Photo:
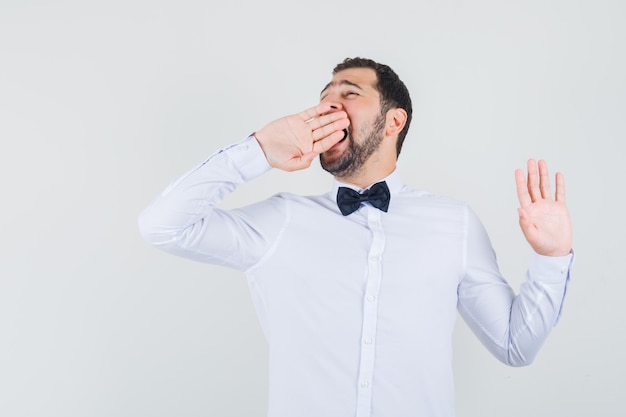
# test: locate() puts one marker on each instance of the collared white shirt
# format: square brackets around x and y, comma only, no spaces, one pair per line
[358,310]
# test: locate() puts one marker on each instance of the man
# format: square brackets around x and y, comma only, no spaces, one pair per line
[357,290]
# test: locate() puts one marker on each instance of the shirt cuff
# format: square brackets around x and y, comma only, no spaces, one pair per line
[550,269]
[248,157]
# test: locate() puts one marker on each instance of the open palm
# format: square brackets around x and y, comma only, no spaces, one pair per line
[545,221]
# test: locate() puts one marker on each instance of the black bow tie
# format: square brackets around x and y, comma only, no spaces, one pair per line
[349,200]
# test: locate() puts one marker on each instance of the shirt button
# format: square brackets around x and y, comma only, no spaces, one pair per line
[368,341]
[370,298]
[365,384]
[373,258]
[563,270]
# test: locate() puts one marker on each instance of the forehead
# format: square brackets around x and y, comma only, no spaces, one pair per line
[364,78]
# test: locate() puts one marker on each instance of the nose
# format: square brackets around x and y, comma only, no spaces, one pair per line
[334,105]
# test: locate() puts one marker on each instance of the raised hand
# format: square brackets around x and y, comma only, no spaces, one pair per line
[292,142]
[545,222]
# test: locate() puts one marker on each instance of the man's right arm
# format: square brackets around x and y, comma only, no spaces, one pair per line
[185,219]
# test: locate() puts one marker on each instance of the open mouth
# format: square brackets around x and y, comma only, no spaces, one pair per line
[346,133]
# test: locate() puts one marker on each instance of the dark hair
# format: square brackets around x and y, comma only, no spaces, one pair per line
[393,92]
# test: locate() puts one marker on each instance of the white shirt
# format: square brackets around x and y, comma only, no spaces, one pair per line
[358,310]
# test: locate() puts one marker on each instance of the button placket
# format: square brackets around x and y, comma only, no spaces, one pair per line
[370,311]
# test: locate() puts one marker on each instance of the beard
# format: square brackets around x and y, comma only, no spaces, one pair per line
[353,158]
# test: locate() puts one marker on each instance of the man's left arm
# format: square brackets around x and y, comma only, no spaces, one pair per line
[514,327]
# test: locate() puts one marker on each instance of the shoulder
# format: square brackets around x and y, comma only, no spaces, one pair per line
[422,205]
[322,202]
[421,197]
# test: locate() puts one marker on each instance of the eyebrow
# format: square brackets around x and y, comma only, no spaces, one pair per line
[342,82]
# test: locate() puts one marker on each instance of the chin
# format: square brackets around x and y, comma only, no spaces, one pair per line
[337,163]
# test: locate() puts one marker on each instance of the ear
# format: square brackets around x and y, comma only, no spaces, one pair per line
[395,121]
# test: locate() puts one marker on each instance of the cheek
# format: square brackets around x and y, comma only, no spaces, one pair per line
[360,113]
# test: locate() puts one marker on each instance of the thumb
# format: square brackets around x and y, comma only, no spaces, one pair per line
[307,158]
[301,162]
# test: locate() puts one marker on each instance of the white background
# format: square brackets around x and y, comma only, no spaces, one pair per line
[102,104]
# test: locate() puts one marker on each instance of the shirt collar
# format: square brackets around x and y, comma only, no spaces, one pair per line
[394,182]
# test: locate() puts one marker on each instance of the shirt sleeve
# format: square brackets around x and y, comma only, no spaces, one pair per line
[512,327]
[184,219]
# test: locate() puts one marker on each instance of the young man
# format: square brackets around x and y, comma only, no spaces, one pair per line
[357,290]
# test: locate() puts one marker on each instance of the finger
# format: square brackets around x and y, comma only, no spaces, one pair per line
[327,119]
[544,180]
[533,180]
[313,112]
[327,142]
[522,189]
[327,130]
[560,188]
[309,114]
